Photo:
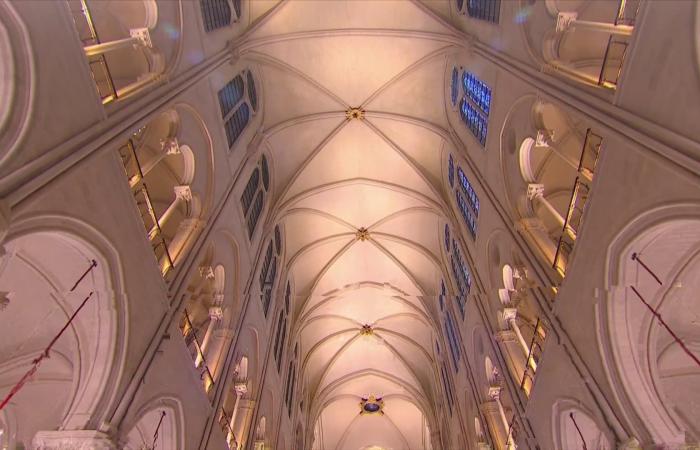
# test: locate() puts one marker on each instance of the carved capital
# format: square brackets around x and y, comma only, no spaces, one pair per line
[170,146]
[535,190]
[206,272]
[183,193]
[544,138]
[509,314]
[564,20]
[143,35]
[216,313]
[72,440]
[495,392]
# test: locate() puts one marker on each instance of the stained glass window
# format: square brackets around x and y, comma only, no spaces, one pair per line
[487,10]
[448,388]
[474,120]
[253,198]
[215,14]
[463,277]
[467,214]
[454,86]
[267,276]
[477,91]
[452,340]
[468,191]
[447,238]
[279,339]
[236,124]
[250,189]
[451,171]
[230,95]
[252,92]
[237,8]
[255,212]
[475,106]
[235,110]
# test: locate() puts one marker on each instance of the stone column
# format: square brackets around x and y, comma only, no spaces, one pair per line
[138,37]
[535,193]
[246,408]
[495,394]
[509,315]
[168,146]
[215,315]
[240,388]
[569,20]
[545,139]
[182,194]
[533,229]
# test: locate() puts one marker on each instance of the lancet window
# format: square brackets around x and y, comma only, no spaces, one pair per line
[447,387]
[215,14]
[237,100]
[254,194]
[454,86]
[488,10]
[281,333]
[291,380]
[475,106]
[268,275]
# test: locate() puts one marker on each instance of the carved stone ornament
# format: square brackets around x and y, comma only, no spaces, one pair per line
[355,113]
[206,272]
[72,440]
[362,234]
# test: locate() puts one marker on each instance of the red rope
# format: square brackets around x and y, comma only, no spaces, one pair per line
[155,435]
[44,354]
[665,325]
[583,441]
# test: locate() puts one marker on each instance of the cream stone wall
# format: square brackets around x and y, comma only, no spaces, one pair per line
[124,370]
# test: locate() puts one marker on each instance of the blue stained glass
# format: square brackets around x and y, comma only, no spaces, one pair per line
[372,407]
[451,171]
[447,238]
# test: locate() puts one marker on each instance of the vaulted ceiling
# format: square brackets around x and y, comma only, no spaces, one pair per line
[335,175]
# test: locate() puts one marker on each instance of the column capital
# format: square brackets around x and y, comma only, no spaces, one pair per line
[206,272]
[509,314]
[544,137]
[170,146]
[240,387]
[535,190]
[143,35]
[564,20]
[495,392]
[183,193]
[72,440]
[216,313]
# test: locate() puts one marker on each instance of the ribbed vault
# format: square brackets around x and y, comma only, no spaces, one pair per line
[335,177]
